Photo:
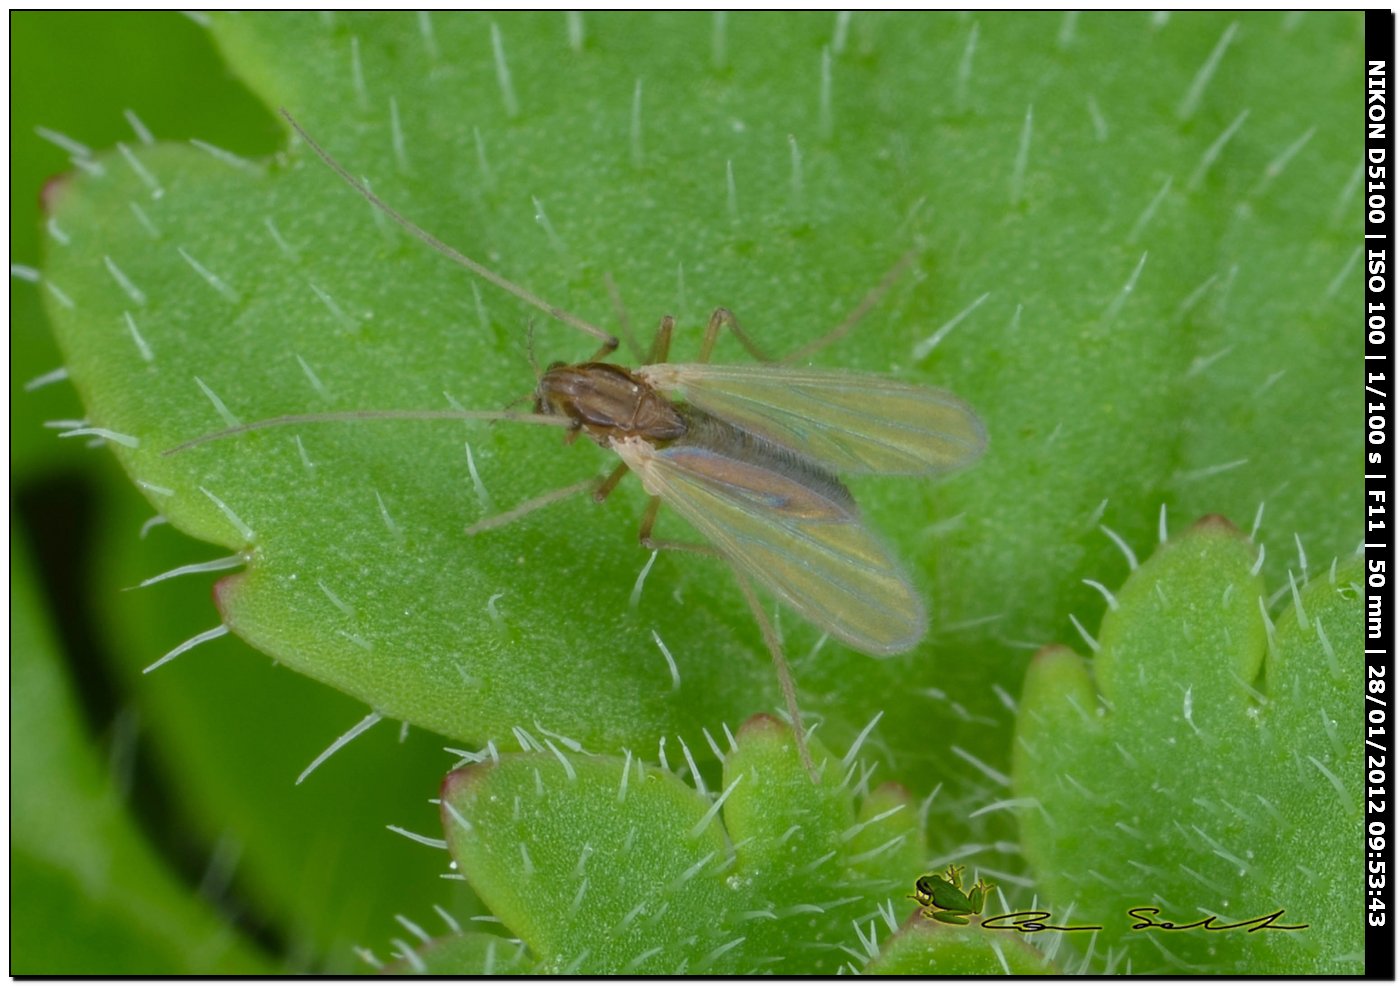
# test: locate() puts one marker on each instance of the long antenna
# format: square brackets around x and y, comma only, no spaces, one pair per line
[529,297]
[320,416]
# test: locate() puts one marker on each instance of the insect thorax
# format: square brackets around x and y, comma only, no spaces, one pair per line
[608,402]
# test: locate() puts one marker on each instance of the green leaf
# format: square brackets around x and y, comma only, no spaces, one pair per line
[470,953]
[231,733]
[1207,766]
[604,865]
[86,75]
[926,948]
[1044,164]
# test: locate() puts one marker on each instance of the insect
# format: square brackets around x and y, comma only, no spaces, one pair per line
[749,455]
[942,897]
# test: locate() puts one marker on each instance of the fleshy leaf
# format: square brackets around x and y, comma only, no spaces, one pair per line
[923,947]
[468,954]
[604,865]
[1206,763]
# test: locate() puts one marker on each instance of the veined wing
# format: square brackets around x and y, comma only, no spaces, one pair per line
[850,422]
[810,550]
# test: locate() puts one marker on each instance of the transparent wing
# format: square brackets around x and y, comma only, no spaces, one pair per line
[850,422]
[812,551]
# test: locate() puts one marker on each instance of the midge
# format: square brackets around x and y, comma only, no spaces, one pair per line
[749,455]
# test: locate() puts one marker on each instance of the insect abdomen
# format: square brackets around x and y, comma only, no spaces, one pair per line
[703,431]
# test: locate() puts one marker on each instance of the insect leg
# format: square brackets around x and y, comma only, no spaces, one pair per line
[721,318]
[649,520]
[858,312]
[660,544]
[784,675]
[608,485]
[661,342]
[530,506]
[770,638]
[608,347]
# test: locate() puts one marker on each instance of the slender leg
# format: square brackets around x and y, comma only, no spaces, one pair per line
[604,351]
[721,318]
[784,675]
[608,485]
[648,520]
[530,506]
[765,626]
[859,312]
[660,544]
[661,342]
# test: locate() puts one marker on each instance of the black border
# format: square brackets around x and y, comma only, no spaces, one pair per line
[1377,319]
